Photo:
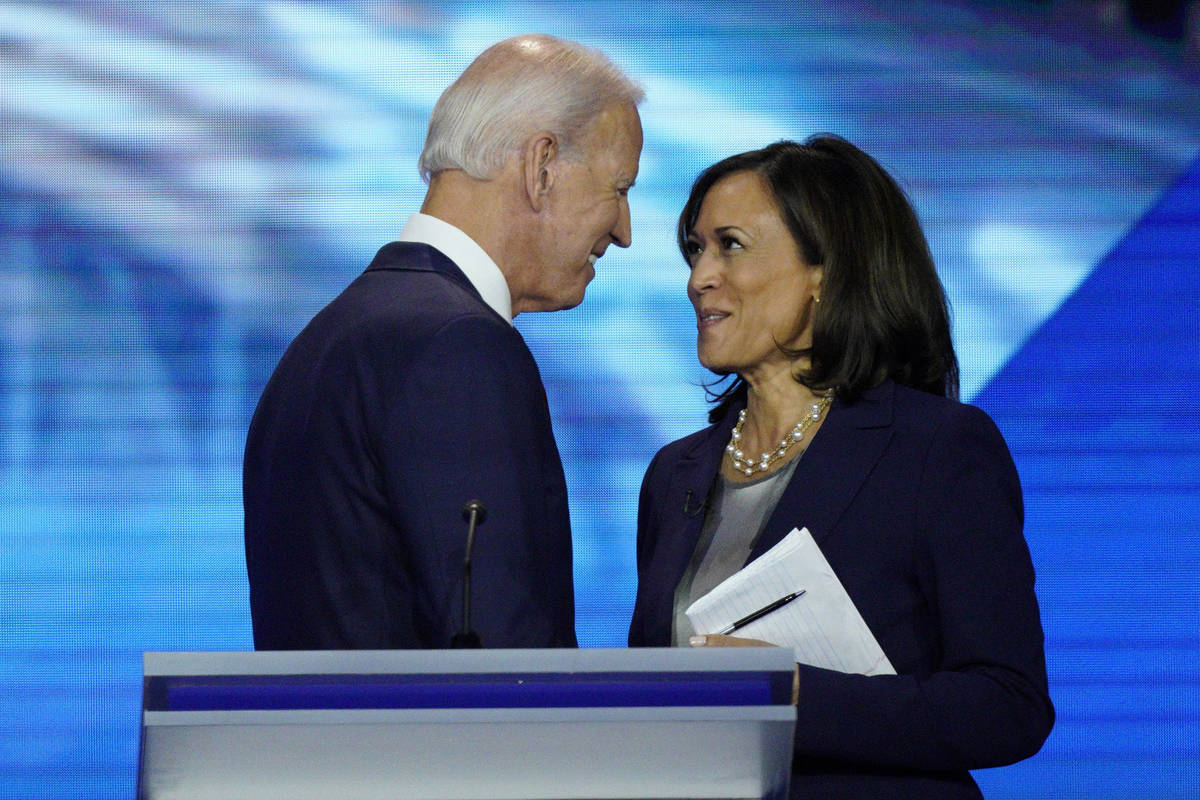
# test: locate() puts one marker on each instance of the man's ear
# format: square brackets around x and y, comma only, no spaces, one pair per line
[541,157]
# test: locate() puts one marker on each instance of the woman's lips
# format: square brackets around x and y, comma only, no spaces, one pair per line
[709,317]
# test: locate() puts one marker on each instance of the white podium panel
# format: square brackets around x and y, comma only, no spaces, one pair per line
[443,725]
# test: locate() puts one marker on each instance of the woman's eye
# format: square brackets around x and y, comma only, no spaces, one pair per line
[693,248]
[730,243]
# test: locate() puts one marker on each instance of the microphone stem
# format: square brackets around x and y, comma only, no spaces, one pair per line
[474,513]
[466,625]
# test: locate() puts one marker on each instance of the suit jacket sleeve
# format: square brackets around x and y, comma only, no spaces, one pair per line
[981,699]
[471,422]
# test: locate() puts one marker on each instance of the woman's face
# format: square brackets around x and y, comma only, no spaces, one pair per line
[749,285]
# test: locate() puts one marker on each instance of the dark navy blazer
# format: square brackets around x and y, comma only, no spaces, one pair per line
[916,504]
[403,399]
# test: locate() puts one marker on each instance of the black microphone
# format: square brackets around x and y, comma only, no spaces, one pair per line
[474,514]
[694,511]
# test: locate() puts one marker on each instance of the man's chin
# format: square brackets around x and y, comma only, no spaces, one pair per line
[561,303]
[557,297]
[570,303]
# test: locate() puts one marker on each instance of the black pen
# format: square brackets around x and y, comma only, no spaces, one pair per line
[762,612]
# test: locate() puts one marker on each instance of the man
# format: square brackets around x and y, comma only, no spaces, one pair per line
[411,393]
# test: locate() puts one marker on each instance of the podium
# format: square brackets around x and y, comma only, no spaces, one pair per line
[467,724]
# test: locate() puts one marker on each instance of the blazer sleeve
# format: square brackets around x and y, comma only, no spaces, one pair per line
[983,701]
[472,422]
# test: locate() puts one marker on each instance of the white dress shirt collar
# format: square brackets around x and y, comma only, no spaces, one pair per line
[467,255]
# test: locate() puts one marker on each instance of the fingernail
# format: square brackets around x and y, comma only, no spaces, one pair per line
[698,641]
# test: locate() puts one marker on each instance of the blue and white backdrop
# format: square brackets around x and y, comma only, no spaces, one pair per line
[182,185]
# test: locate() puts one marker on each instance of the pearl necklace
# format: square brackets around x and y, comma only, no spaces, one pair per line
[750,466]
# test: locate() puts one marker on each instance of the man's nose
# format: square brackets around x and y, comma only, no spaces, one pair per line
[622,232]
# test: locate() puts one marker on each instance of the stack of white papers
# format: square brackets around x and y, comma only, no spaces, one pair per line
[822,625]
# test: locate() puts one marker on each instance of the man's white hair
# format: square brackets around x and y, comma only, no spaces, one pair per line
[513,89]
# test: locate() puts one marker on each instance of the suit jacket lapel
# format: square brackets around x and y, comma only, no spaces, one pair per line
[830,473]
[688,495]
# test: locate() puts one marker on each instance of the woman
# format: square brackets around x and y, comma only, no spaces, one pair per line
[814,287]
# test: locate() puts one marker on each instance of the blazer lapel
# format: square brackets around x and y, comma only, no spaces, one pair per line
[688,495]
[835,465]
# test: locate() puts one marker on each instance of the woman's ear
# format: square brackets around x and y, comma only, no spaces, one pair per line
[541,157]
[815,274]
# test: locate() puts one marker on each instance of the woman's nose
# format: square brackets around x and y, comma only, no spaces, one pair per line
[705,273]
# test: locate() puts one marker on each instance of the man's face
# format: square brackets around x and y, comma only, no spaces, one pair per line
[587,210]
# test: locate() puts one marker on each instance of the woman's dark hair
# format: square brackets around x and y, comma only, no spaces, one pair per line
[883,311]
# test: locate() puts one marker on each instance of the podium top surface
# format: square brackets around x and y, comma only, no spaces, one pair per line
[462,662]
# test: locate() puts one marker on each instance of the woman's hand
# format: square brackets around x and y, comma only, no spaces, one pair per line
[717,640]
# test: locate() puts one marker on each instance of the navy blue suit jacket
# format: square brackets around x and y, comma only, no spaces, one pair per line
[403,399]
[916,504]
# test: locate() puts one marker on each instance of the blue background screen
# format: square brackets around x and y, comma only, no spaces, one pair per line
[183,185]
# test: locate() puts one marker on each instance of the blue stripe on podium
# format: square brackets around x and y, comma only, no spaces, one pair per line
[539,690]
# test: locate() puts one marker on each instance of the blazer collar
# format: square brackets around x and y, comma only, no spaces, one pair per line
[419,257]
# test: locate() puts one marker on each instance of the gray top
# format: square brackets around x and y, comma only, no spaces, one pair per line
[737,513]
